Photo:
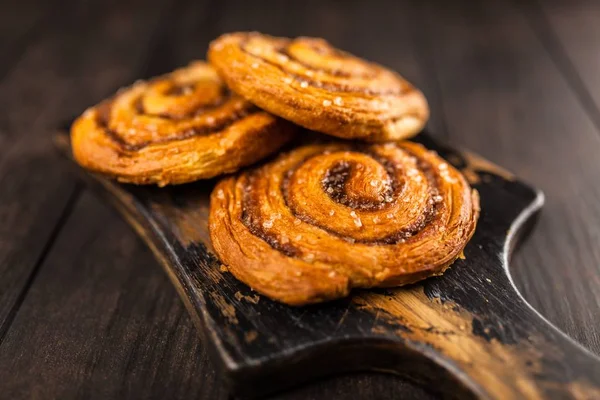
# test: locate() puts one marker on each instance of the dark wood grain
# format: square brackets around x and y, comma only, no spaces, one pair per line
[37,94]
[100,322]
[22,23]
[570,32]
[57,66]
[506,99]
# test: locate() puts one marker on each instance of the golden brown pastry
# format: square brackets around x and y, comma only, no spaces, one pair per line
[176,128]
[307,81]
[325,218]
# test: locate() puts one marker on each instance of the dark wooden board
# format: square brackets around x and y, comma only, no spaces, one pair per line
[468,332]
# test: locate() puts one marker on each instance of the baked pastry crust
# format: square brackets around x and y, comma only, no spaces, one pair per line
[176,128]
[309,82]
[325,218]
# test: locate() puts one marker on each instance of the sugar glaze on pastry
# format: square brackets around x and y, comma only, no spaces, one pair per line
[325,218]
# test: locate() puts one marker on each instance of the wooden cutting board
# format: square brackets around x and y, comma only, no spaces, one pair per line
[466,334]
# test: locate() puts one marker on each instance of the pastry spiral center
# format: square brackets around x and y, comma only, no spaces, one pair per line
[359,182]
[181,99]
[381,196]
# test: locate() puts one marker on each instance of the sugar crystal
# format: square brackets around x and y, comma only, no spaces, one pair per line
[309,257]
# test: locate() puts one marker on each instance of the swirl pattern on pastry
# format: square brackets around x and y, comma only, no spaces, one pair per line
[176,128]
[325,218]
[312,84]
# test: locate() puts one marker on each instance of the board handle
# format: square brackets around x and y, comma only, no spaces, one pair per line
[474,335]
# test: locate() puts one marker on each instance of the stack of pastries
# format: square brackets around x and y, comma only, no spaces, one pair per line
[354,206]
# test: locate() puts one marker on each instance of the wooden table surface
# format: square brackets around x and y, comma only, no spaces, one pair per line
[85,310]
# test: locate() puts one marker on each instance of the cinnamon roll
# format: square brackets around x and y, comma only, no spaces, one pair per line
[325,218]
[176,128]
[313,84]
